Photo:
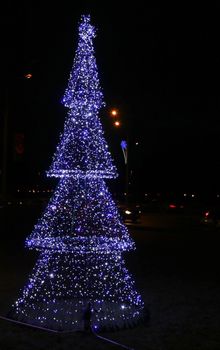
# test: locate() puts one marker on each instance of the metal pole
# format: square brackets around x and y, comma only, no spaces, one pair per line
[124,146]
[127,173]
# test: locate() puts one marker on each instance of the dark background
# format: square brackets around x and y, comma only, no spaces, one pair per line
[159,65]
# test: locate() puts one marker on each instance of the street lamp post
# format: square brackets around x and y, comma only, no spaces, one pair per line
[124,147]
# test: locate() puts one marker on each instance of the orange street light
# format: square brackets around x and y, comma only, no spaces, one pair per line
[117,123]
[114,112]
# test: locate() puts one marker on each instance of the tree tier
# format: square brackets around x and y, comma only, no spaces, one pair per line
[80,174]
[81,216]
[93,244]
[61,287]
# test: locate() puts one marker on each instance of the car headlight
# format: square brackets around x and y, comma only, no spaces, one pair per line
[128,212]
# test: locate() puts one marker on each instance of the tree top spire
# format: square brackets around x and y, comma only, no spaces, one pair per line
[86,30]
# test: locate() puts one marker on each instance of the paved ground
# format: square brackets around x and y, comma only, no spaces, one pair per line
[176,267]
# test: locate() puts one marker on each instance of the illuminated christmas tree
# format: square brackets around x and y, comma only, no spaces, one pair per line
[80,235]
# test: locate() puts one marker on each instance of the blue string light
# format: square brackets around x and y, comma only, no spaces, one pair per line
[80,235]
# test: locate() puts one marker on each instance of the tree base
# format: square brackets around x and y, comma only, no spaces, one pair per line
[69,316]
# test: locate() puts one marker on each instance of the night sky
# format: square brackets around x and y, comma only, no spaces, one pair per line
[158,65]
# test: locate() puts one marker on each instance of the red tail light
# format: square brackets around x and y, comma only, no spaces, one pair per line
[206,214]
[172,206]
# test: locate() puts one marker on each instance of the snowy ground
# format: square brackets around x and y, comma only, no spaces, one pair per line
[176,267]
